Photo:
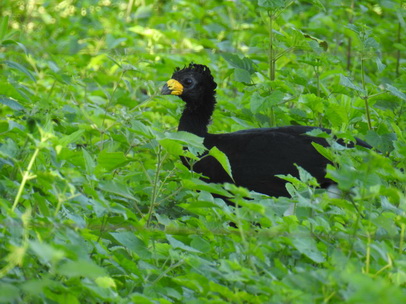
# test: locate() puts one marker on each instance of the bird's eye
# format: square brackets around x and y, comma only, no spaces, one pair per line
[188,81]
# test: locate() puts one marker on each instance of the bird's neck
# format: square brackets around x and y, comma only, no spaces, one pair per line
[196,116]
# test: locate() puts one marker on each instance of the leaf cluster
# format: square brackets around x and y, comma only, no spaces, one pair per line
[95,205]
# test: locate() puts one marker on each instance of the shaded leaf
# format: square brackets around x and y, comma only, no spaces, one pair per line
[13,104]
[222,158]
[345,81]
[81,268]
[132,243]
[308,246]
[20,68]
[178,244]
[395,92]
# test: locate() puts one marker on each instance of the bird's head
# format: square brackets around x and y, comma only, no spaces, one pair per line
[192,83]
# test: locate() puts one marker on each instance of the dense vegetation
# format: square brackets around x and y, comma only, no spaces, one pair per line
[95,206]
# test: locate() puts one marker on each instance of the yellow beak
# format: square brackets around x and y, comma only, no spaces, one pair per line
[172,87]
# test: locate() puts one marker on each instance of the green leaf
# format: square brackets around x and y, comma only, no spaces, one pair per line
[193,142]
[242,76]
[259,103]
[20,68]
[118,188]
[345,81]
[89,162]
[4,126]
[8,293]
[272,4]
[109,161]
[395,92]
[382,142]
[222,158]
[306,177]
[3,27]
[13,104]
[326,152]
[238,63]
[46,253]
[105,282]
[142,129]
[178,244]
[71,138]
[308,246]
[81,268]
[379,64]
[233,59]
[197,184]
[173,147]
[36,286]
[19,44]
[132,243]
[321,43]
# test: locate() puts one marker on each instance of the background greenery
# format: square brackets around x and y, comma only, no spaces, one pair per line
[95,206]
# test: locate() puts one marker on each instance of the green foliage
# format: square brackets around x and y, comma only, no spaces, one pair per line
[95,205]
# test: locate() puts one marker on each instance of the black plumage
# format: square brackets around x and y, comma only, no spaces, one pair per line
[255,155]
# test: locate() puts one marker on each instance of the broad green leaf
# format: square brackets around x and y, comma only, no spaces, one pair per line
[193,142]
[233,59]
[382,142]
[259,103]
[46,253]
[13,104]
[345,81]
[4,126]
[36,286]
[71,138]
[272,4]
[108,161]
[197,184]
[222,159]
[118,188]
[395,92]
[89,162]
[105,282]
[321,43]
[81,268]
[178,244]
[3,27]
[201,244]
[308,246]
[132,243]
[136,297]
[244,64]
[242,75]
[19,44]
[306,177]
[20,68]
[8,293]
[379,64]
[141,128]
[326,152]
[173,147]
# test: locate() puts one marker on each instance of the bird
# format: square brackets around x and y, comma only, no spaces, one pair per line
[256,156]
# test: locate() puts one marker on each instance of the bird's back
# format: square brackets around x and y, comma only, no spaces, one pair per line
[257,155]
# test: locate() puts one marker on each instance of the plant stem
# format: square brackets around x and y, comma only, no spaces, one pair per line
[317,71]
[349,46]
[271,53]
[402,236]
[368,254]
[26,177]
[155,189]
[365,97]
[398,51]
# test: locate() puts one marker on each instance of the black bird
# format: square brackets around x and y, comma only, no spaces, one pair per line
[255,155]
